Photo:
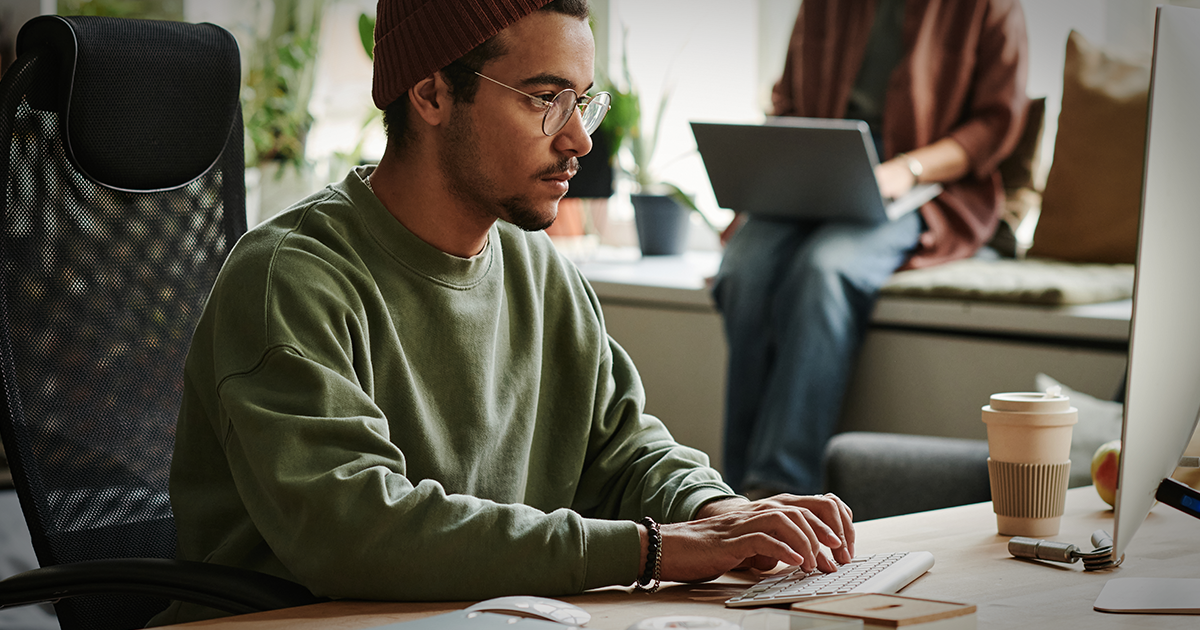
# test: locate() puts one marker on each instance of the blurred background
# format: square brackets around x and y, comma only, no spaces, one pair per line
[307,76]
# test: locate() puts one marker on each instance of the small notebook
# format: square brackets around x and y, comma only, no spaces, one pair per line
[800,168]
[887,612]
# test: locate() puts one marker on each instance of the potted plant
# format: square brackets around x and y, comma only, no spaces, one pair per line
[661,210]
[279,85]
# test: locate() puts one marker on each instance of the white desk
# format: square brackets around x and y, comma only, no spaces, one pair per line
[972,566]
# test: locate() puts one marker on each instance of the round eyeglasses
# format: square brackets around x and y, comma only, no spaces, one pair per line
[558,108]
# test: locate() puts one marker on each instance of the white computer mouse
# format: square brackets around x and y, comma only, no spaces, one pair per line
[535,607]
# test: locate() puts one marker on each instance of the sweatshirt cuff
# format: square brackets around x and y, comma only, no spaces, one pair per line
[612,550]
[700,496]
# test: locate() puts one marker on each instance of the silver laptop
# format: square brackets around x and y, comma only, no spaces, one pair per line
[800,168]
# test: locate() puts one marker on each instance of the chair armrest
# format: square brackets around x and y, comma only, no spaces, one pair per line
[229,589]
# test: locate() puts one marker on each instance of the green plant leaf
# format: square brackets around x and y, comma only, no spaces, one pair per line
[688,201]
[279,83]
[653,143]
[366,32]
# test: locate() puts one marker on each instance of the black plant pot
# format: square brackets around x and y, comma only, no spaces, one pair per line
[595,177]
[662,224]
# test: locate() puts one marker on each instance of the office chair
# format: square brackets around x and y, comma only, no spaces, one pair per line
[123,192]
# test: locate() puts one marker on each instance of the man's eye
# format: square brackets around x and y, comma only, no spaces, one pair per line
[541,101]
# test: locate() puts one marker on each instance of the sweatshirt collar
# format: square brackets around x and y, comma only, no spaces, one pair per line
[407,248]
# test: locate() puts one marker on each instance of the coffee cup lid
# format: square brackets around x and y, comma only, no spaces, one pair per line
[1043,402]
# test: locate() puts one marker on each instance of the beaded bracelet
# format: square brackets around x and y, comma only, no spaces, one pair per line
[653,572]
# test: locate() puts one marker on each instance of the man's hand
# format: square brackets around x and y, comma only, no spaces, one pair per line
[736,533]
[827,510]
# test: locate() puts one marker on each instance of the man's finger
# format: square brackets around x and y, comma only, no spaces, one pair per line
[845,520]
[825,562]
[847,525]
[810,533]
[763,544]
[789,529]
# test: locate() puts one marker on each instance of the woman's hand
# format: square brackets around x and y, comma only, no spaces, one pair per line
[732,228]
[894,177]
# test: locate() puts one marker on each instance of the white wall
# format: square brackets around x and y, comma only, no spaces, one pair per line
[16,12]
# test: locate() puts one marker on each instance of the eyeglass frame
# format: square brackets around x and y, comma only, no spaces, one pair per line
[581,101]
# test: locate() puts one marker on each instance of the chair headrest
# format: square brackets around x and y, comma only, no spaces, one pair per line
[144,104]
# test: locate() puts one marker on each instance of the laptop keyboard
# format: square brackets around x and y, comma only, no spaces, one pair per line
[879,573]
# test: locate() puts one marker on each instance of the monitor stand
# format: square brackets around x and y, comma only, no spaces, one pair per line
[1179,596]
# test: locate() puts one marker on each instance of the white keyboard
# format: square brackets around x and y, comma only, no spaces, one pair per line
[880,573]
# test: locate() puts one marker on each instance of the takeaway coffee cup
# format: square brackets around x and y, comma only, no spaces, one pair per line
[1029,460]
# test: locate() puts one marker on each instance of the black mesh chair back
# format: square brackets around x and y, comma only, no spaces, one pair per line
[123,192]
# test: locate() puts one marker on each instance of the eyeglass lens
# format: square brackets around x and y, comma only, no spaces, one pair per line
[563,105]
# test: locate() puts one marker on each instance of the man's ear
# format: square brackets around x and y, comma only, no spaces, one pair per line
[430,99]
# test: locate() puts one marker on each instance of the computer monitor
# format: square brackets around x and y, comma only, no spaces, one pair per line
[1162,396]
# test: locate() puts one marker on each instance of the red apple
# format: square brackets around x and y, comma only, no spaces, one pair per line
[1105,464]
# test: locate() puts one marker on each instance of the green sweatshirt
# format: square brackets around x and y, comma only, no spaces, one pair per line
[377,419]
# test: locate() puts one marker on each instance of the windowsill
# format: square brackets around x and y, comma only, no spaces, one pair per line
[623,274]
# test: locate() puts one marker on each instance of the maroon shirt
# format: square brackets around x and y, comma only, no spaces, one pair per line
[962,76]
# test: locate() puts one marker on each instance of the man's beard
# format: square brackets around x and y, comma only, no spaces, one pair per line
[459,161]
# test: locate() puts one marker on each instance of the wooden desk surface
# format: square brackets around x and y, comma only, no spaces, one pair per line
[972,566]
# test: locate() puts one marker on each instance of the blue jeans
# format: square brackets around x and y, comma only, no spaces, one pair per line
[795,298]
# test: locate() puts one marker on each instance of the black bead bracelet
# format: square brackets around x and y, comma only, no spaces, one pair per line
[653,571]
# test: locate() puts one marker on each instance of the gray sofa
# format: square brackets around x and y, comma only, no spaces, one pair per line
[885,474]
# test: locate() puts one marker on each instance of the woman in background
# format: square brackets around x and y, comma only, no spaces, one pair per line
[941,83]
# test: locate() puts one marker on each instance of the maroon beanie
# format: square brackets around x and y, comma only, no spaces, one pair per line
[415,38]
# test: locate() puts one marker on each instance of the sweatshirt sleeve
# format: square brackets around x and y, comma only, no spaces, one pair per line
[325,486]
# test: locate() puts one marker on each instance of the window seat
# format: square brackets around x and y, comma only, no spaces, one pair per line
[929,361]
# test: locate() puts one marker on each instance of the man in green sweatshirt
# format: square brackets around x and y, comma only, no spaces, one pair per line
[400,391]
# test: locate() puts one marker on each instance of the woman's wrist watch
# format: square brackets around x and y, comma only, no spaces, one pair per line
[914,166]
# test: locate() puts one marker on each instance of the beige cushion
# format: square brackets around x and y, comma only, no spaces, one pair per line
[1093,191]
[1031,281]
